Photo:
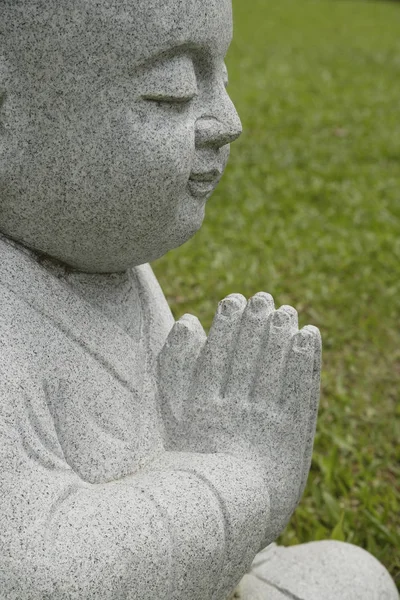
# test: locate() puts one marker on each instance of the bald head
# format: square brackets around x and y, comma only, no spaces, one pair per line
[39,30]
[102,101]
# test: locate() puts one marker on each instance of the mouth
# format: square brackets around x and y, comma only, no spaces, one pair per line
[203,184]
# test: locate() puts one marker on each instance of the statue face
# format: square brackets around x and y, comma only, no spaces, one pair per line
[115,127]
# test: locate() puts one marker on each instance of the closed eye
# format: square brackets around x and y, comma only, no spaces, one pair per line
[169,99]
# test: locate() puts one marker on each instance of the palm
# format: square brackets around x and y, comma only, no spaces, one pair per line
[251,388]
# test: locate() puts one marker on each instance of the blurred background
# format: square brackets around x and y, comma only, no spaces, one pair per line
[309,210]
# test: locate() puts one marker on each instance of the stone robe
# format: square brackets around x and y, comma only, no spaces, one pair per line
[91,505]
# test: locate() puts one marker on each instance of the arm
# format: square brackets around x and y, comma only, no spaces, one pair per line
[186,527]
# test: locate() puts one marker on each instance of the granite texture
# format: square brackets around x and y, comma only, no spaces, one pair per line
[139,458]
[251,389]
[98,95]
[325,570]
[92,505]
[96,502]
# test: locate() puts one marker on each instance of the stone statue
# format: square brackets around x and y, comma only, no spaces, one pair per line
[139,459]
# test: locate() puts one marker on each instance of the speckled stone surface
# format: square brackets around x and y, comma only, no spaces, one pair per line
[115,130]
[115,125]
[139,459]
[253,390]
[96,502]
[325,570]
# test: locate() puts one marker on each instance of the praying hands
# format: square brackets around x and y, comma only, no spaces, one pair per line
[251,389]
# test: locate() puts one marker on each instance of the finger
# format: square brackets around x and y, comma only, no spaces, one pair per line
[246,354]
[176,364]
[269,377]
[294,406]
[314,403]
[216,355]
[297,373]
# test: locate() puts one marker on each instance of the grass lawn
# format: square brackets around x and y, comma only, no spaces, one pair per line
[309,210]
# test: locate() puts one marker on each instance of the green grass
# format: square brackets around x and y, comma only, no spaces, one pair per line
[309,210]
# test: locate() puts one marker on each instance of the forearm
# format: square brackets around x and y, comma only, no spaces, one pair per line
[188,527]
[240,498]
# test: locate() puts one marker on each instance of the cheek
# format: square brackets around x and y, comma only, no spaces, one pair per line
[161,146]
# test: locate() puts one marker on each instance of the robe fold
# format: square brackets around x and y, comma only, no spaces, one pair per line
[91,505]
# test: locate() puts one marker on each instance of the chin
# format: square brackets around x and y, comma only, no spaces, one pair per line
[188,226]
[183,231]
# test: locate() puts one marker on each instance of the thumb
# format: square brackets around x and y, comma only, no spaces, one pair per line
[175,370]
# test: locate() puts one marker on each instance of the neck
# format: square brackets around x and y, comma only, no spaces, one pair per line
[116,295]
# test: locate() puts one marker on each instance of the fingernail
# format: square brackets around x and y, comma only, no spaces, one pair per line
[189,321]
[292,312]
[280,318]
[179,331]
[303,340]
[261,302]
[229,306]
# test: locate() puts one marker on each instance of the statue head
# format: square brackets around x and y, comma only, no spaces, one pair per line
[115,125]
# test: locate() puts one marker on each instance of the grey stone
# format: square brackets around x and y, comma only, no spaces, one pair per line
[98,95]
[255,369]
[91,504]
[330,570]
[139,458]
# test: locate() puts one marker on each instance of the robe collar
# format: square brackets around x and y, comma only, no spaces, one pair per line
[55,300]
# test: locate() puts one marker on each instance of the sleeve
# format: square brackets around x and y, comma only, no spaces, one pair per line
[186,528]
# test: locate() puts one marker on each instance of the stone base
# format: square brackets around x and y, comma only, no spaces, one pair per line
[327,570]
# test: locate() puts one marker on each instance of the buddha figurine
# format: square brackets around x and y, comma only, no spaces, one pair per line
[140,459]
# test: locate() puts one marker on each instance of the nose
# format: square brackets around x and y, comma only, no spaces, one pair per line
[220,125]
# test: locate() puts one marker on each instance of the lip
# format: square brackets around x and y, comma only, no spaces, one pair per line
[204,183]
